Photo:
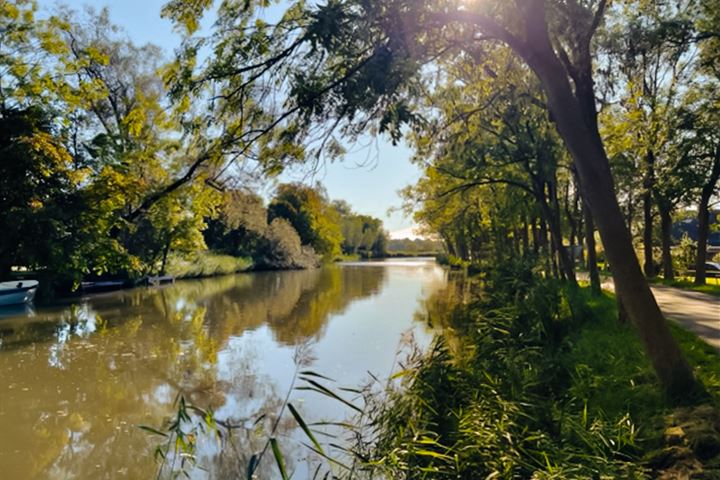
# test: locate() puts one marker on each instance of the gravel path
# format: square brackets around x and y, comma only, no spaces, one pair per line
[697,312]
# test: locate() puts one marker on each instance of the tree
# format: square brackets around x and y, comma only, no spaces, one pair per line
[652,67]
[81,92]
[509,141]
[37,185]
[124,132]
[311,214]
[361,233]
[241,228]
[701,147]
[349,64]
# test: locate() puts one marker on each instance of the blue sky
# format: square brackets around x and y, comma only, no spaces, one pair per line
[369,186]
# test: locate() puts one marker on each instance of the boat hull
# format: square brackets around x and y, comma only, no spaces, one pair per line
[102,286]
[17,296]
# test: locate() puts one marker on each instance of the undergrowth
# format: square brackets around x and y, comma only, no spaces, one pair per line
[536,380]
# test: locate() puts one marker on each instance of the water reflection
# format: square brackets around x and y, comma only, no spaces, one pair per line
[79,378]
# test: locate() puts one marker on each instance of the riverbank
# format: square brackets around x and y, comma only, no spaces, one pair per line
[535,380]
[207,264]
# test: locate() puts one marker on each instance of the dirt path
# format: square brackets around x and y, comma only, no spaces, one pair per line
[697,312]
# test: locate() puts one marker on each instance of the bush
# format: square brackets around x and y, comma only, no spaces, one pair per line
[451,261]
[283,250]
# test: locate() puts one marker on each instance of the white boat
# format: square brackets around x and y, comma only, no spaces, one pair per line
[18,292]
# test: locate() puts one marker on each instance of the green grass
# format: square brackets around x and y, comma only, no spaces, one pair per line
[712,287]
[614,375]
[348,258]
[206,264]
[704,359]
[537,380]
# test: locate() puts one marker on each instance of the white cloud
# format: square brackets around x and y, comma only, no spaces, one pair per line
[405,233]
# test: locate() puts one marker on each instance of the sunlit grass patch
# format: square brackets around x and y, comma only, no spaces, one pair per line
[206,264]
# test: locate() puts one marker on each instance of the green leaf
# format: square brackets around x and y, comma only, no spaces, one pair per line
[328,458]
[430,453]
[314,374]
[279,459]
[316,387]
[152,430]
[304,426]
[252,465]
[401,373]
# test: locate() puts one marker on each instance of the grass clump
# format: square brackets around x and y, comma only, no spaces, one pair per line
[535,380]
[206,264]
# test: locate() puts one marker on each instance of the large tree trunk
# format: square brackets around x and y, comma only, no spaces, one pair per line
[666,229]
[648,183]
[704,221]
[622,313]
[576,121]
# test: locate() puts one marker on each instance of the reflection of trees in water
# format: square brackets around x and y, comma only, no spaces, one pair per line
[445,311]
[295,304]
[149,305]
[438,308]
[259,414]
[78,380]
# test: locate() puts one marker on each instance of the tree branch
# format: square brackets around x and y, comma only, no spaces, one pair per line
[488,25]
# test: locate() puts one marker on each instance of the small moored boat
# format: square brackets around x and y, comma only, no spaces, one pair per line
[159,280]
[102,286]
[17,292]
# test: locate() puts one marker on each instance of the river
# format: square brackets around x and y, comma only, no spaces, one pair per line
[78,379]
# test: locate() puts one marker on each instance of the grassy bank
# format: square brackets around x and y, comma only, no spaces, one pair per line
[538,381]
[206,264]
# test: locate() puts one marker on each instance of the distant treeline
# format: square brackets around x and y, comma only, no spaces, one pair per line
[299,228]
[414,247]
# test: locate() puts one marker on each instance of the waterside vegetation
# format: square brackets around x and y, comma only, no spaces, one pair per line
[539,127]
[103,177]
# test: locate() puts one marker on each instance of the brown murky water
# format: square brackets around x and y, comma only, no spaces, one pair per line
[78,379]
